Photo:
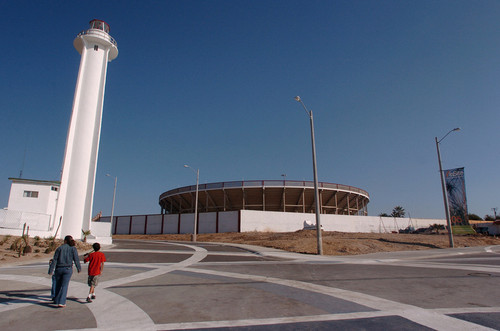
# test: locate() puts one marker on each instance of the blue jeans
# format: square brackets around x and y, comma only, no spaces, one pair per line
[63,276]
[53,289]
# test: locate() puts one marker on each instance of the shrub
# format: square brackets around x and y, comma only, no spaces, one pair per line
[27,249]
[5,239]
[474,217]
[17,245]
[52,245]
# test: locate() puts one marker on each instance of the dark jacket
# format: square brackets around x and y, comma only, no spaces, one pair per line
[64,256]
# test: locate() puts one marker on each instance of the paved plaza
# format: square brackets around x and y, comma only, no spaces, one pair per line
[159,285]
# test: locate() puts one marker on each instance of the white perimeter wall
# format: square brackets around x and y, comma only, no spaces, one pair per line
[260,221]
[13,219]
[285,222]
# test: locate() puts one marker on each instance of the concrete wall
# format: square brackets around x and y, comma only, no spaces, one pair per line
[13,219]
[171,223]
[32,233]
[100,229]
[12,223]
[261,221]
[252,220]
[100,232]
[229,221]
[208,223]
[187,223]
[217,222]
[214,222]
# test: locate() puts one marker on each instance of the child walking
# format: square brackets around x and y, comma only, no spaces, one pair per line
[96,261]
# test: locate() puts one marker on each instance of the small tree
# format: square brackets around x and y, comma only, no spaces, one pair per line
[85,234]
[383,215]
[437,227]
[398,211]
[474,217]
[489,218]
[21,245]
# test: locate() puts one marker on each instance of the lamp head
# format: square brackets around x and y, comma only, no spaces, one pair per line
[108,175]
[456,129]
[297,98]
[186,166]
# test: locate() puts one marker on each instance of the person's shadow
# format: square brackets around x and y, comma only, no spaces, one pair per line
[34,296]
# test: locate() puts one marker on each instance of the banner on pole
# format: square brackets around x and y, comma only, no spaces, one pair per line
[457,201]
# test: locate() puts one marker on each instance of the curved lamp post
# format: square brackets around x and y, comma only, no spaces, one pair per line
[315,172]
[443,187]
[197,172]
[114,195]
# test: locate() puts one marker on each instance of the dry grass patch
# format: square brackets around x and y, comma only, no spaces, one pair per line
[40,248]
[334,243]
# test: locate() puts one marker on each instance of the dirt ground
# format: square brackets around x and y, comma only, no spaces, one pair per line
[304,241]
[334,243]
[40,248]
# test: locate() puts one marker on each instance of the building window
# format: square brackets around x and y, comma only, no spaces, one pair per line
[30,194]
[96,48]
[54,188]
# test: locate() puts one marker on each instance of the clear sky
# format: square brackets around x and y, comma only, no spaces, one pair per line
[211,84]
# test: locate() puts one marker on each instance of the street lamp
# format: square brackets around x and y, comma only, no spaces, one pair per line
[114,195]
[197,172]
[443,187]
[315,171]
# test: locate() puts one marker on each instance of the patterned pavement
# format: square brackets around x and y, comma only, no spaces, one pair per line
[158,285]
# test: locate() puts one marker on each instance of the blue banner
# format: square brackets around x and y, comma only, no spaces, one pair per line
[457,201]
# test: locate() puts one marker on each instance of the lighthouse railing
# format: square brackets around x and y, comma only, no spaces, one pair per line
[98,33]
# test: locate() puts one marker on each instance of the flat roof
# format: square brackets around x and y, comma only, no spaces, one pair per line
[35,181]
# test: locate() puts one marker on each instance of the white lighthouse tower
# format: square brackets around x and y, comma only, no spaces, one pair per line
[74,206]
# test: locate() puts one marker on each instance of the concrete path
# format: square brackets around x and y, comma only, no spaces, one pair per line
[157,285]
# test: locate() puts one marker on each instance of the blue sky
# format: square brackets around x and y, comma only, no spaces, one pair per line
[211,84]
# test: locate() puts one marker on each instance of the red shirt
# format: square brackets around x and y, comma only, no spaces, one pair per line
[95,259]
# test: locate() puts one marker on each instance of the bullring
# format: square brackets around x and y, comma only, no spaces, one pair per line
[266,195]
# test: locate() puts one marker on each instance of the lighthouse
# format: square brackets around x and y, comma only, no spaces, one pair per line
[76,195]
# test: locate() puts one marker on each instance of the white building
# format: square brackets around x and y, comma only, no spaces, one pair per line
[32,202]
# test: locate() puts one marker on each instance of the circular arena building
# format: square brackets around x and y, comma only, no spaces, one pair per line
[266,195]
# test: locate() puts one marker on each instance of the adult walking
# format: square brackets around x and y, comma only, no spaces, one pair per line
[64,257]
